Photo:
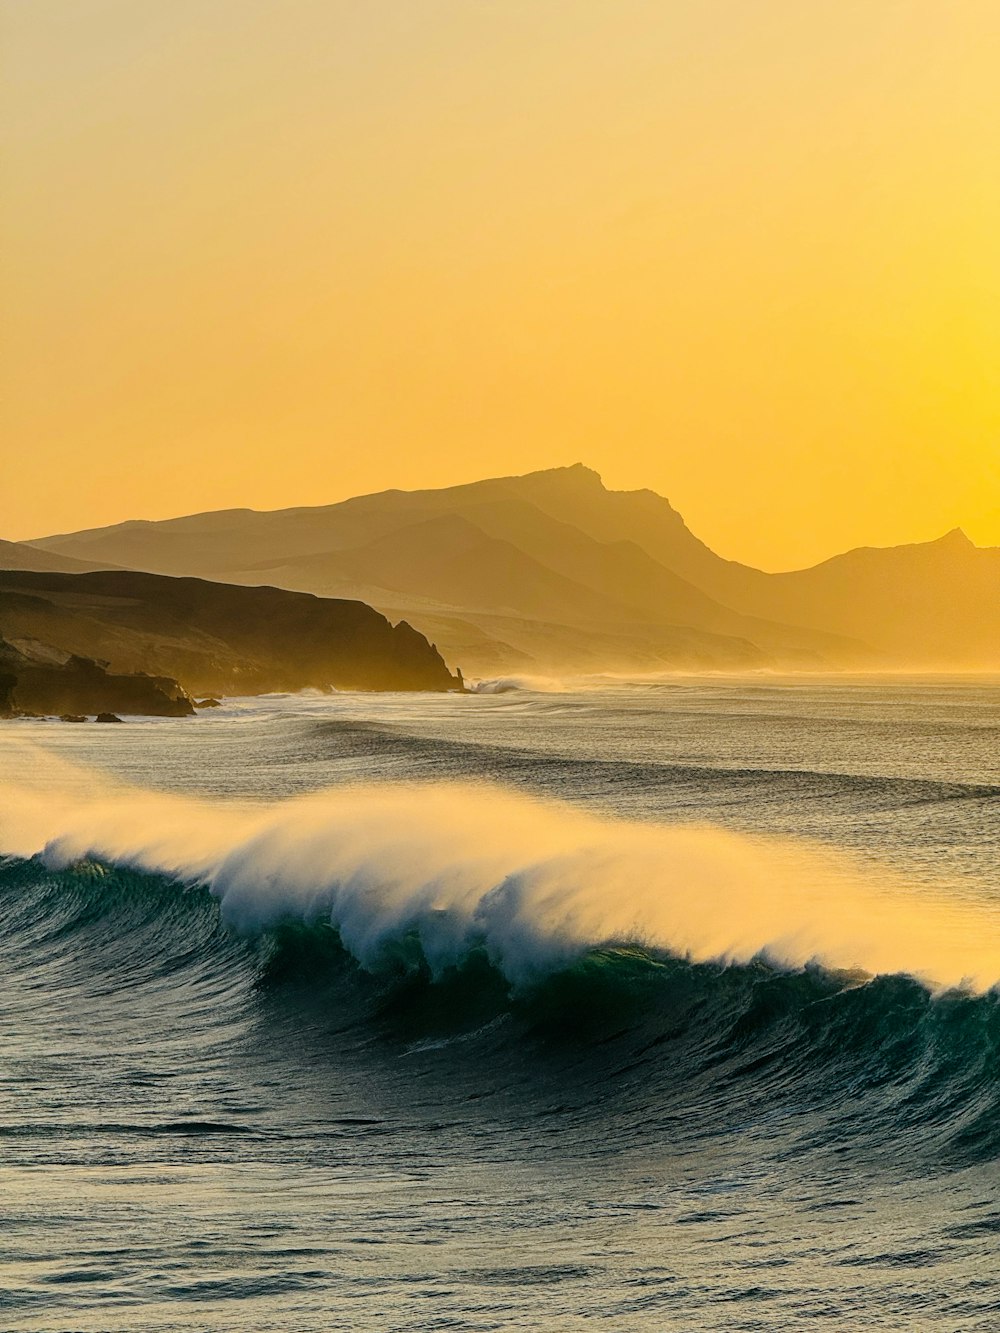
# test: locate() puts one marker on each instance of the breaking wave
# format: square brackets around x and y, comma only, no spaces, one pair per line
[669,965]
[454,868]
[515,684]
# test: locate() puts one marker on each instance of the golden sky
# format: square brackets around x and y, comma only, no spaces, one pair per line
[276,252]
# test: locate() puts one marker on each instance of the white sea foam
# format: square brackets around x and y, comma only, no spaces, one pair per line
[532,684]
[535,883]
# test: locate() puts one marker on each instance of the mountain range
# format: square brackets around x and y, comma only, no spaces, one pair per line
[553,571]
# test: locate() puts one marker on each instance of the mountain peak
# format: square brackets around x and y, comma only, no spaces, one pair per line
[957,539]
[574,473]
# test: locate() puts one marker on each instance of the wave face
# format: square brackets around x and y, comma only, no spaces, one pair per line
[707,950]
[379,1049]
[408,949]
[449,870]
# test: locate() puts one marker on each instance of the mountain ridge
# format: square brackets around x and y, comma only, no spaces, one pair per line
[533,562]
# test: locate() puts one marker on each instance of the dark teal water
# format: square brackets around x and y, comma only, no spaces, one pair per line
[442,1058]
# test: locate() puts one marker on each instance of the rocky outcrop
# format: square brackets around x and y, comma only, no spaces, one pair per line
[34,681]
[7,682]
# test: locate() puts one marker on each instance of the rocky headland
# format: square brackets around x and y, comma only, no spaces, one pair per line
[134,643]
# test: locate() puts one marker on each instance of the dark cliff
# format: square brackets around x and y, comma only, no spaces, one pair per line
[215,638]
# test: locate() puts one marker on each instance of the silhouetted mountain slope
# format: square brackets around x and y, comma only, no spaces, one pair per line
[450,561]
[21,555]
[932,603]
[554,570]
[442,558]
[215,638]
[502,558]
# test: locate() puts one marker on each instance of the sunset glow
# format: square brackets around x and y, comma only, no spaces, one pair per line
[744,254]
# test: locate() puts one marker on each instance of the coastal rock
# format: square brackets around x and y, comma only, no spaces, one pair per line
[107,717]
[37,679]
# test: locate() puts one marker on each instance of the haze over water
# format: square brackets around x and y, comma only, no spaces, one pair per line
[543,1007]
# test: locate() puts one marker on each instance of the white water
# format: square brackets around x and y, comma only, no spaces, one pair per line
[536,883]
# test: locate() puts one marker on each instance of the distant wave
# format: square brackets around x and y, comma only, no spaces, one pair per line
[512,684]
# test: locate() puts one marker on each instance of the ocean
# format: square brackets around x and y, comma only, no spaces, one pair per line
[624,1005]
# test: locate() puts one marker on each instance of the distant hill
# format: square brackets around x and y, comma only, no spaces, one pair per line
[21,555]
[553,571]
[211,637]
[931,604]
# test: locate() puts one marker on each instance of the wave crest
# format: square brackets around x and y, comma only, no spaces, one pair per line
[533,884]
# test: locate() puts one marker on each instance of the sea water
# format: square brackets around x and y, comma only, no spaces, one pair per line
[559,1005]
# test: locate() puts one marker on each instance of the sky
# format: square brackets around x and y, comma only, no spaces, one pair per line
[277,252]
